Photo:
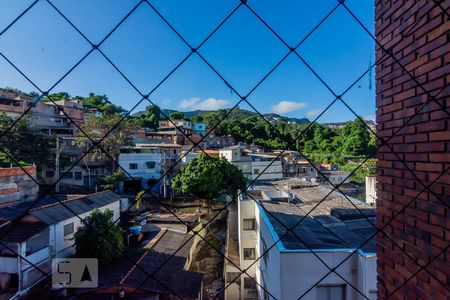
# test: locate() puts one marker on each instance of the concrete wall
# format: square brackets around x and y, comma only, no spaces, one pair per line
[16,185]
[231,155]
[269,275]
[301,271]
[247,239]
[267,170]
[371,189]
[141,159]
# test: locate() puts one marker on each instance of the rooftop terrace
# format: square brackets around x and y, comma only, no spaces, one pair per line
[334,223]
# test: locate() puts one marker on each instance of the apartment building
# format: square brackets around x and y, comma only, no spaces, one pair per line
[292,262]
[254,165]
[144,163]
[45,232]
[55,118]
[296,166]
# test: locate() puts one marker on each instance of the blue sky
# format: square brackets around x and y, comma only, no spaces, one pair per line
[243,51]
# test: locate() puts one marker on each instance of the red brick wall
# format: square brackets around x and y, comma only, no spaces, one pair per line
[7,172]
[422,230]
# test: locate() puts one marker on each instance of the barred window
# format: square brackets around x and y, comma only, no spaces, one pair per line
[249,253]
[78,176]
[231,276]
[249,283]
[249,224]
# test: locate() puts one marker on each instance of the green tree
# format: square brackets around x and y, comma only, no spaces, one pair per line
[111,182]
[24,143]
[57,96]
[150,117]
[103,104]
[206,177]
[99,237]
[197,119]
[176,115]
[98,127]
[356,138]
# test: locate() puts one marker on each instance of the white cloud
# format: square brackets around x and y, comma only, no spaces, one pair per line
[313,113]
[196,103]
[283,107]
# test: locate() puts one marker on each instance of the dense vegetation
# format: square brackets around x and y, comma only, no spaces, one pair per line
[23,145]
[111,131]
[206,177]
[100,237]
[100,102]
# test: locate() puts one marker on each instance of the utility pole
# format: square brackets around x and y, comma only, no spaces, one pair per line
[165,175]
[58,152]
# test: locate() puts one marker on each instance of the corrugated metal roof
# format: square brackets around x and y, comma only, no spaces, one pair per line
[56,212]
[20,232]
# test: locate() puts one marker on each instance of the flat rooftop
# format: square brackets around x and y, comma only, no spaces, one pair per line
[327,220]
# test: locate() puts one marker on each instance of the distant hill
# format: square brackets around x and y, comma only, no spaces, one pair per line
[270,116]
[236,113]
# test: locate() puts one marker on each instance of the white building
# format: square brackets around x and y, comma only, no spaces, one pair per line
[143,162]
[44,233]
[187,156]
[255,166]
[292,262]
[336,177]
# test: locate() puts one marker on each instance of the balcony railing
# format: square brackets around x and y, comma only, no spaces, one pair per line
[38,256]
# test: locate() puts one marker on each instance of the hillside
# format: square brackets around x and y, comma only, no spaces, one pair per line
[236,113]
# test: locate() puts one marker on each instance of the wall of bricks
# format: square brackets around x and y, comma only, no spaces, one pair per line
[416,33]
[16,185]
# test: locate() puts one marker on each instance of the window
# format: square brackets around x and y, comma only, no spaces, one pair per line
[249,253]
[232,276]
[256,171]
[132,166]
[66,175]
[49,174]
[150,164]
[68,229]
[373,295]
[78,176]
[249,283]
[249,224]
[331,292]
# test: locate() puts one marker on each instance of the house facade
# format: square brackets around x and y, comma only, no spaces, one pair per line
[255,166]
[46,232]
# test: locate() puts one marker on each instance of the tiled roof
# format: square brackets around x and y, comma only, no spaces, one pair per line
[168,248]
